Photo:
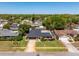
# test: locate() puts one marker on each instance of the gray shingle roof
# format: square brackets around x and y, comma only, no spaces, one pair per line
[45,34]
[37,33]
[14,26]
[34,33]
[6,32]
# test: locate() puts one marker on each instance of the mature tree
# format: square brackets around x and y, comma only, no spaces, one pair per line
[76,38]
[24,28]
[6,26]
[54,22]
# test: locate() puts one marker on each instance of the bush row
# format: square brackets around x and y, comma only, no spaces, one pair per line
[17,38]
[42,39]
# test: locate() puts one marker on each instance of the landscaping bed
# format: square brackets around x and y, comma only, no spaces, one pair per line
[50,46]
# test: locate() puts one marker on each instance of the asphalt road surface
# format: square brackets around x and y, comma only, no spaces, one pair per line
[38,54]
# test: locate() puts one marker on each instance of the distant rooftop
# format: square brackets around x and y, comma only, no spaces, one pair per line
[14,26]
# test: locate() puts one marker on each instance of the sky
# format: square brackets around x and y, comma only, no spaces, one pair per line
[39,7]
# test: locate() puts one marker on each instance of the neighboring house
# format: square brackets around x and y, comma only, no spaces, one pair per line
[26,21]
[76,28]
[2,23]
[59,33]
[8,33]
[71,26]
[41,27]
[36,23]
[1,26]
[14,26]
[38,33]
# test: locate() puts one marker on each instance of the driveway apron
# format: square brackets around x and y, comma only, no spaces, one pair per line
[30,46]
[70,47]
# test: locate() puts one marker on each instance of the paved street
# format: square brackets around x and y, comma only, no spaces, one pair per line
[40,54]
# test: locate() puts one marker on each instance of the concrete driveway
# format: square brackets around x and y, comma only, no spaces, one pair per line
[30,46]
[65,41]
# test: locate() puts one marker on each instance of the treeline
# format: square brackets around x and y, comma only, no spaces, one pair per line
[36,16]
[60,22]
[51,21]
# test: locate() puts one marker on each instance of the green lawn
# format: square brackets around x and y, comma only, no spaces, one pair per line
[23,42]
[50,46]
[55,43]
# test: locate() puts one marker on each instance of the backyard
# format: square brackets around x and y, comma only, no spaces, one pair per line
[50,46]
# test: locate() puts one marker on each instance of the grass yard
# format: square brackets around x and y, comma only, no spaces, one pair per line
[6,44]
[13,45]
[55,43]
[50,46]
[23,42]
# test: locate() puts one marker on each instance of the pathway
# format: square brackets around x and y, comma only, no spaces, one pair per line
[30,46]
[70,47]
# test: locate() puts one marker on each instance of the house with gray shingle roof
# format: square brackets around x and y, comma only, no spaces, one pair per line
[14,26]
[2,23]
[39,33]
[7,33]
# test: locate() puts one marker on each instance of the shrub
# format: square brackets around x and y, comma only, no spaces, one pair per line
[42,39]
[17,38]
[51,39]
[70,41]
[6,26]
[76,38]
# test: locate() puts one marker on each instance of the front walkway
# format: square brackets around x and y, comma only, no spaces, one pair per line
[70,47]
[30,46]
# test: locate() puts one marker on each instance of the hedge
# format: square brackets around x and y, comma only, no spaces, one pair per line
[17,38]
